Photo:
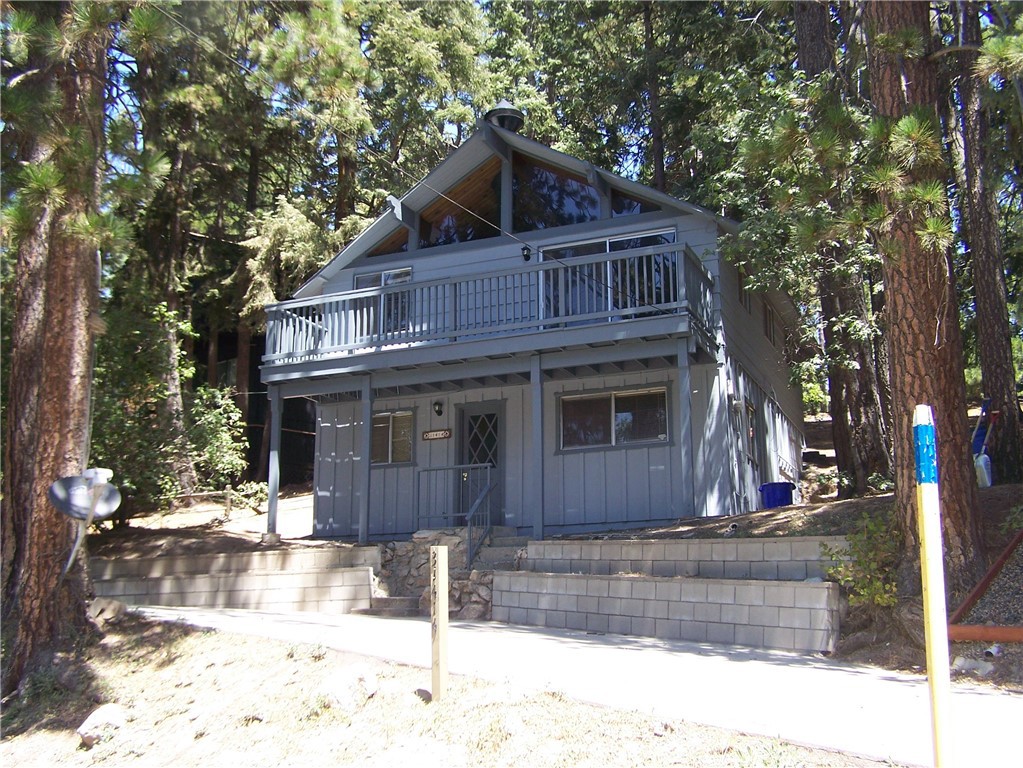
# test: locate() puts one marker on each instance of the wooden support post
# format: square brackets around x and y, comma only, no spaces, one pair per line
[363,473]
[684,404]
[928,503]
[439,620]
[274,465]
[536,444]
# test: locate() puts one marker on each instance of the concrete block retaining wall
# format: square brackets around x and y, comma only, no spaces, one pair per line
[791,615]
[787,559]
[331,580]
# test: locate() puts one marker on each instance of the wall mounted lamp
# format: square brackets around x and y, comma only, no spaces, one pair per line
[527,253]
[438,408]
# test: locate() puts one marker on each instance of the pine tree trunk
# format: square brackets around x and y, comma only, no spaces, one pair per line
[923,325]
[654,91]
[858,429]
[56,289]
[994,346]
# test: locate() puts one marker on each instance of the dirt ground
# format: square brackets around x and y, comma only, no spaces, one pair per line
[195,699]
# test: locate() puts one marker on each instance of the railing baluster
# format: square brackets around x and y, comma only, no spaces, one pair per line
[584,289]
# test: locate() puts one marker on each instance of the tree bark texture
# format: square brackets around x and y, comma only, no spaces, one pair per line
[164,238]
[858,430]
[994,335]
[925,347]
[56,288]
[654,92]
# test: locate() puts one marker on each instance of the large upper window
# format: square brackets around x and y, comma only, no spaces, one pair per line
[391,440]
[614,418]
[623,205]
[547,197]
[470,211]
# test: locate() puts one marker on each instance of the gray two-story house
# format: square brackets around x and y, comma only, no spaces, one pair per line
[530,341]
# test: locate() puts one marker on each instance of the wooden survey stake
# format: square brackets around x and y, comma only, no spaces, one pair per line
[439,619]
[928,515]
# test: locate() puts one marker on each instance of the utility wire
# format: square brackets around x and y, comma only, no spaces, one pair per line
[316,118]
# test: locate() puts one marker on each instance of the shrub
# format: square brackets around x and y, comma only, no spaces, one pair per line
[216,437]
[866,567]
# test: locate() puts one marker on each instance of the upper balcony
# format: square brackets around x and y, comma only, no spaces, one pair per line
[654,290]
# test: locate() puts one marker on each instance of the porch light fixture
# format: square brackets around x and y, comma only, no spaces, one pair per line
[438,408]
[527,253]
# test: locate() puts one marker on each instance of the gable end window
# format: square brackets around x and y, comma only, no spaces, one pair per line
[391,438]
[614,419]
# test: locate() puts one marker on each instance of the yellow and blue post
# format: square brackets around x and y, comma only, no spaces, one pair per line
[928,503]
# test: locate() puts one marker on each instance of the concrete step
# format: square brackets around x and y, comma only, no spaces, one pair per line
[500,531]
[391,606]
[508,541]
[498,558]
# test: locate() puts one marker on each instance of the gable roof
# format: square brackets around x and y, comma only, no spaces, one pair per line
[486,143]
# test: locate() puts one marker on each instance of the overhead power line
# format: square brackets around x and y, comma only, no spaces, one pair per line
[393,163]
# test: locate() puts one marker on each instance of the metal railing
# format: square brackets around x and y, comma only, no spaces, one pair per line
[457,496]
[599,288]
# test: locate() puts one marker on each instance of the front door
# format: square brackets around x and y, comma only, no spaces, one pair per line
[480,439]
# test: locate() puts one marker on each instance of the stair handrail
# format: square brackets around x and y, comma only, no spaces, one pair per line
[475,543]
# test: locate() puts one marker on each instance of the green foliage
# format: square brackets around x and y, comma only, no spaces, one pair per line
[216,437]
[815,400]
[288,244]
[132,434]
[42,184]
[1014,520]
[880,483]
[250,494]
[1002,54]
[866,567]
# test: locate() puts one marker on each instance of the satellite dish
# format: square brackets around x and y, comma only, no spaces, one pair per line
[74,497]
[84,501]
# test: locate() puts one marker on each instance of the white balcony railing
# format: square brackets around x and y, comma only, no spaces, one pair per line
[601,288]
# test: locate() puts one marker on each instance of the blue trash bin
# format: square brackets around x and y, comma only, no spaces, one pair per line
[776,494]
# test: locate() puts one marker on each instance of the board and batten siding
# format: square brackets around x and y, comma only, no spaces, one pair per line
[596,487]
[583,489]
[393,488]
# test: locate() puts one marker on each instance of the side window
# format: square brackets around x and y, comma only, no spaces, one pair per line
[770,330]
[744,294]
[613,419]
[391,439]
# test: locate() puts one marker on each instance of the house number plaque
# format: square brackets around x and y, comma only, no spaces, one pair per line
[437,434]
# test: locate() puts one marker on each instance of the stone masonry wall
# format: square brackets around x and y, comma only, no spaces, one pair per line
[405,572]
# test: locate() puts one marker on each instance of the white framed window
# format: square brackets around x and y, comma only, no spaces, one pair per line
[391,438]
[383,279]
[392,311]
[614,418]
